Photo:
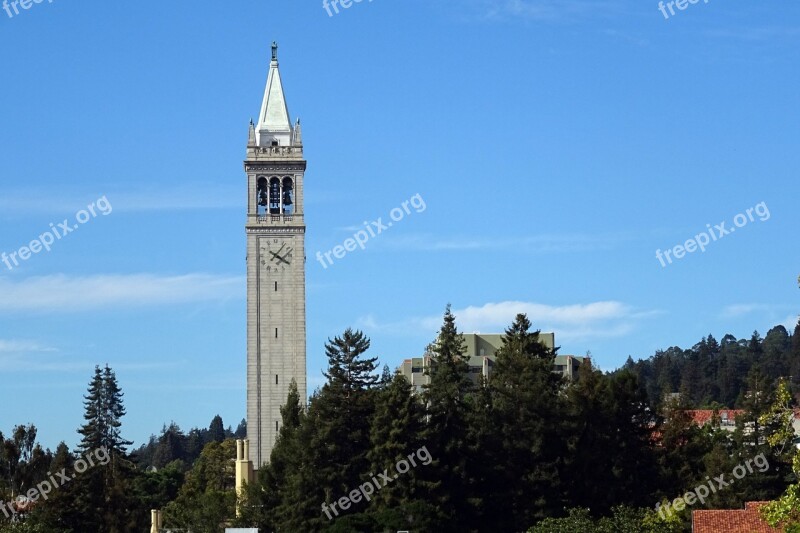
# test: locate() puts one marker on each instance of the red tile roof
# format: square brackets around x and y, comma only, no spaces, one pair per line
[702,417]
[732,521]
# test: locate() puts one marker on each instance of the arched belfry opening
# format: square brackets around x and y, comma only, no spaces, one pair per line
[288,196]
[262,193]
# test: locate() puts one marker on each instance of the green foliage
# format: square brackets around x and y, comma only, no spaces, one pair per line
[505,454]
[778,420]
[527,409]
[396,431]
[714,371]
[207,499]
[447,432]
[104,410]
[784,512]
[173,444]
[610,457]
[271,502]
[216,430]
[623,520]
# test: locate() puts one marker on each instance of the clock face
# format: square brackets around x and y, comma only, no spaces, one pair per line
[276,255]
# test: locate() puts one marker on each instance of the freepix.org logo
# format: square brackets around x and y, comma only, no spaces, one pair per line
[12,7]
[703,239]
[332,6]
[46,240]
[372,230]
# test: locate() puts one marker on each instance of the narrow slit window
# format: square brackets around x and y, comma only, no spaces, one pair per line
[276,379]
[276,333]
[276,425]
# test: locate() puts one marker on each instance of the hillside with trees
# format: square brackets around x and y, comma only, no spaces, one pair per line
[525,451]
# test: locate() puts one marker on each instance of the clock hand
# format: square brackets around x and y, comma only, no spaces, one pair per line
[275,254]
[279,258]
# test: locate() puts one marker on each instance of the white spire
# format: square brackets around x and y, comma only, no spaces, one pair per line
[273,121]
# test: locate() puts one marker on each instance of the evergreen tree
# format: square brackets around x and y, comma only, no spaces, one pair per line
[113,411]
[682,447]
[102,497]
[794,364]
[94,432]
[386,377]
[754,430]
[171,446]
[448,410]
[345,406]
[241,430]
[396,434]
[527,410]
[611,460]
[104,410]
[271,502]
[216,431]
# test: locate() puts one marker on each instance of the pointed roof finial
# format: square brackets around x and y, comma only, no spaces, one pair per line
[274,51]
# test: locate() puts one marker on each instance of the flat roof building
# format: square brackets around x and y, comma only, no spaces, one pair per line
[480,354]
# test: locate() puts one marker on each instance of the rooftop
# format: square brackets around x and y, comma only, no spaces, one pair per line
[745,520]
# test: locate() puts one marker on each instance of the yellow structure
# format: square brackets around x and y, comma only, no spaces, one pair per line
[155,521]
[244,470]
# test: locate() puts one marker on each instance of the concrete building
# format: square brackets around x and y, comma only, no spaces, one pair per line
[481,350]
[276,286]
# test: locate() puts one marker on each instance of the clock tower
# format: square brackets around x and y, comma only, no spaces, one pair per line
[276,286]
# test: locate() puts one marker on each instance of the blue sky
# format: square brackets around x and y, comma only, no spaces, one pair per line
[556,145]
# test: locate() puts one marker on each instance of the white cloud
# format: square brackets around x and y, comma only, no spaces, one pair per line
[790,322]
[767,315]
[19,347]
[81,293]
[738,310]
[609,319]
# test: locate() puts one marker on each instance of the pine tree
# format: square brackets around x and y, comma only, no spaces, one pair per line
[103,499]
[386,377]
[114,410]
[611,461]
[94,431]
[336,432]
[216,431]
[271,503]
[396,434]
[241,430]
[794,366]
[527,408]
[171,446]
[448,410]
[104,410]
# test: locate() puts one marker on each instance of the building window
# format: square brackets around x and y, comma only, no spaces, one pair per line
[276,286]
[276,379]
[276,425]
[276,333]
